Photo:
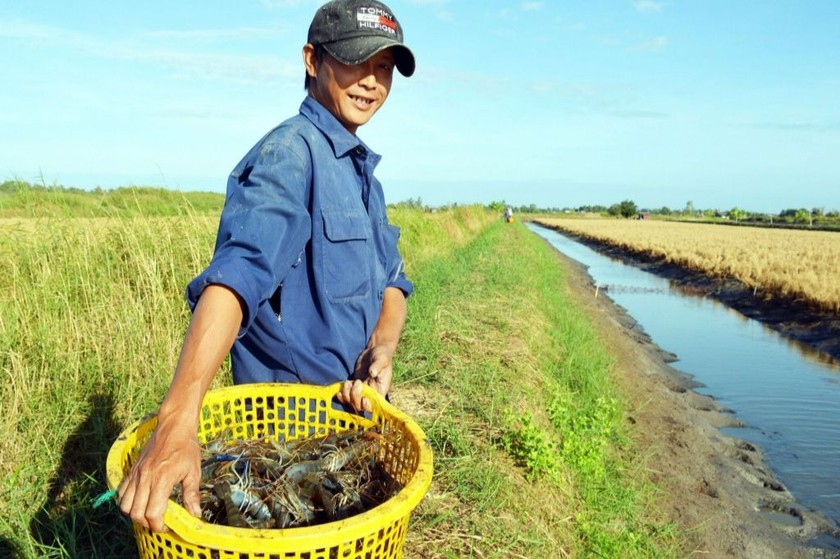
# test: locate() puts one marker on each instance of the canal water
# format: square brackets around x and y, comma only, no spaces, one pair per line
[787,394]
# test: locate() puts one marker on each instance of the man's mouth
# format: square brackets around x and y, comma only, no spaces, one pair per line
[361,102]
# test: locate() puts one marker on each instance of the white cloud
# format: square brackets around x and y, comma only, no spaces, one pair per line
[654,45]
[648,6]
[531,6]
[609,99]
[281,4]
[478,81]
[209,35]
[437,3]
[638,113]
[25,31]
[827,126]
[146,48]
[438,6]
[214,66]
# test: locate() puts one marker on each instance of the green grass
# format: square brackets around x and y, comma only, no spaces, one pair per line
[528,418]
[497,364]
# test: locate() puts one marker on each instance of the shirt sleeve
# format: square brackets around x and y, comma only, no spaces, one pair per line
[396,270]
[264,227]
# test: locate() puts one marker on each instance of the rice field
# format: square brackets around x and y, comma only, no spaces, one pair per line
[92,317]
[777,263]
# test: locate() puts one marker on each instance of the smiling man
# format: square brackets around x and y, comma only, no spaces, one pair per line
[306,283]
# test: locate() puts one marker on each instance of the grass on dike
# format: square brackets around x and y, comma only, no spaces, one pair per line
[504,375]
[511,385]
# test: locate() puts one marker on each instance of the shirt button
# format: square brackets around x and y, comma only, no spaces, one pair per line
[359,150]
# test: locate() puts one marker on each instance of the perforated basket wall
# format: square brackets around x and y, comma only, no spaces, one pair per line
[291,411]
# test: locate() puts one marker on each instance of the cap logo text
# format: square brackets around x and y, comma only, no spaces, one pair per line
[376,19]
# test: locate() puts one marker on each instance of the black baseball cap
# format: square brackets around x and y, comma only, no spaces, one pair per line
[352,31]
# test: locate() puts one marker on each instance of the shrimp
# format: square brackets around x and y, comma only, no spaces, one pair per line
[244,508]
[268,483]
[334,460]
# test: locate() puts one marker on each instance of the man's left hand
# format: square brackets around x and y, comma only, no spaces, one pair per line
[373,367]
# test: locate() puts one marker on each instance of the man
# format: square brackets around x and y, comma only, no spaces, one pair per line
[306,283]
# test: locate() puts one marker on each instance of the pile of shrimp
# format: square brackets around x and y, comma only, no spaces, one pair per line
[273,484]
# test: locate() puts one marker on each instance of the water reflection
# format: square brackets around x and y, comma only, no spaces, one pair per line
[787,392]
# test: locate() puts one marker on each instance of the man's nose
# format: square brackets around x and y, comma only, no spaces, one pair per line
[368,78]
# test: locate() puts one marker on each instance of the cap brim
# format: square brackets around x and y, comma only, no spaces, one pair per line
[355,51]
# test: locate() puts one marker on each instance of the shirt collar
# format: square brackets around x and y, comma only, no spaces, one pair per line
[340,139]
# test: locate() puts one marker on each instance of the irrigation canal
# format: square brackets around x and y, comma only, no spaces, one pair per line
[786,393]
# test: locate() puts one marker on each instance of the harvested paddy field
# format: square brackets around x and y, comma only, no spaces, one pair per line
[785,279]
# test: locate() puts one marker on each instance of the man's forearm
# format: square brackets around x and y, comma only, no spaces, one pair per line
[391,319]
[211,334]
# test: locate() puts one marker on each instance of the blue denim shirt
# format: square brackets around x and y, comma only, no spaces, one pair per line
[305,242]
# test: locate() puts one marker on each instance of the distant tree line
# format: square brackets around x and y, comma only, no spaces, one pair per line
[18,194]
[800,216]
[628,209]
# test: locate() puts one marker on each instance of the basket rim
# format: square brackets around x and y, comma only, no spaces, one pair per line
[193,530]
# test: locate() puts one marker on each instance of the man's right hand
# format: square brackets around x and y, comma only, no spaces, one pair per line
[171,456]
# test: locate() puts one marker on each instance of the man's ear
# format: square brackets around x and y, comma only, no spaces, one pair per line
[310,61]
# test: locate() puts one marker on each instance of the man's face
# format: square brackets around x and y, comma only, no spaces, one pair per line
[351,93]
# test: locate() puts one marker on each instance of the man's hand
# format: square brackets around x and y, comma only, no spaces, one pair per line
[373,367]
[171,456]
[375,364]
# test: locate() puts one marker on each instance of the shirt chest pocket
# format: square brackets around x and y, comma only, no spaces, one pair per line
[346,254]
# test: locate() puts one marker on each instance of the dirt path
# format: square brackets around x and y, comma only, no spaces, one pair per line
[717,488]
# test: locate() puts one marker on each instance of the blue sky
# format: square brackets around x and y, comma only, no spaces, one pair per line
[720,103]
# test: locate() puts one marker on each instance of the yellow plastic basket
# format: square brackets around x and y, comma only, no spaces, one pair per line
[292,411]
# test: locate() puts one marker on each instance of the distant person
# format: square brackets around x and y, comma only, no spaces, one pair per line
[306,283]
[509,215]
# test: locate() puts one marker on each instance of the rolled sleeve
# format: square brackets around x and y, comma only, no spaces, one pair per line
[396,265]
[403,284]
[263,228]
